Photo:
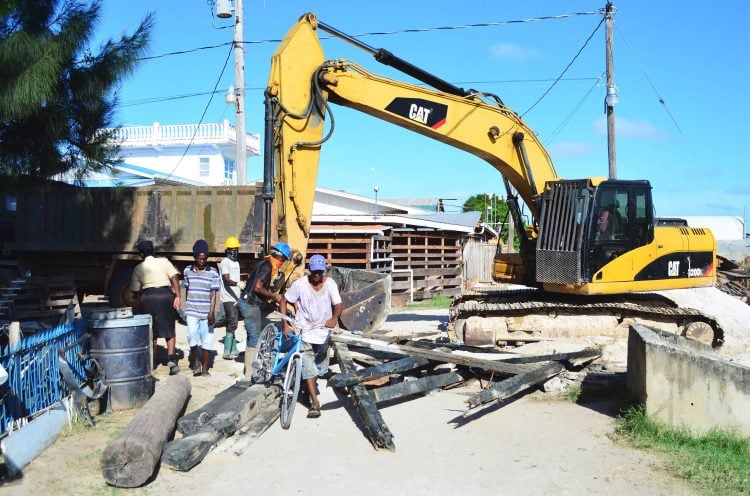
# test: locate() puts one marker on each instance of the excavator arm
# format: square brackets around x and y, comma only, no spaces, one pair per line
[301,85]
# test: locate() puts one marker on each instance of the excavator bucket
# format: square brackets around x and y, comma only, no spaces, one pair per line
[366,296]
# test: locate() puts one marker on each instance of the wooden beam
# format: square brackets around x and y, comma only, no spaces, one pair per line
[131,458]
[590,353]
[408,388]
[364,375]
[514,385]
[186,452]
[438,356]
[374,426]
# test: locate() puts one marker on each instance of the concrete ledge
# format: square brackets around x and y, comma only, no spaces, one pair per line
[685,384]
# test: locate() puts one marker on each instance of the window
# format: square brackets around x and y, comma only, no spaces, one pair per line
[204,170]
[229,170]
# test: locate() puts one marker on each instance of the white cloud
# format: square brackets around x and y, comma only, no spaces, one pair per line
[511,51]
[571,149]
[626,128]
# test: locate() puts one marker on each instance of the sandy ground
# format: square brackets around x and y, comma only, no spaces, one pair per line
[534,445]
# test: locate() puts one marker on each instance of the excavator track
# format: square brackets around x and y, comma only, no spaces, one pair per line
[514,305]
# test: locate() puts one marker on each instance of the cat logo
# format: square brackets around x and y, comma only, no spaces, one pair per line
[419,114]
[673,269]
[425,112]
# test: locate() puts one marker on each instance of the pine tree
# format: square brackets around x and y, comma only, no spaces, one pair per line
[56,92]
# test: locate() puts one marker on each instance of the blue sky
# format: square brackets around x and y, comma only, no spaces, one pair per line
[693,57]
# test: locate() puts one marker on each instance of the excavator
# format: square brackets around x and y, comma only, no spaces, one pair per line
[592,246]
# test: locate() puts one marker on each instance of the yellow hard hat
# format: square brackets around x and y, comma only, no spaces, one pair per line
[231,242]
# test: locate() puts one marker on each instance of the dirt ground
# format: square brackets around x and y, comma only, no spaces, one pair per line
[534,445]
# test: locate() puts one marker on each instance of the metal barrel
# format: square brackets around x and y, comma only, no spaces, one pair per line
[123,349]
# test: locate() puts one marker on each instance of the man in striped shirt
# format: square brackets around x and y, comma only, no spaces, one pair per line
[202,284]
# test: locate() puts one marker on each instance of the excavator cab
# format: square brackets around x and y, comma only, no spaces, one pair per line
[586,224]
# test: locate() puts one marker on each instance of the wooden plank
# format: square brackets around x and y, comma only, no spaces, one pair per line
[193,421]
[373,424]
[408,388]
[514,385]
[363,375]
[130,459]
[438,356]
[590,353]
[252,431]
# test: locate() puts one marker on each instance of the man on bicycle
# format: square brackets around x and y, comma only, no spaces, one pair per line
[318,307]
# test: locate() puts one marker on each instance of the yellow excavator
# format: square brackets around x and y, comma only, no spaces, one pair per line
[592,246]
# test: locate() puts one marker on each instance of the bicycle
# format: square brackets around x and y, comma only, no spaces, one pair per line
[276,355]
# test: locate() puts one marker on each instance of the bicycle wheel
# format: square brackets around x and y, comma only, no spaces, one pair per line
[264,354]
[290,393]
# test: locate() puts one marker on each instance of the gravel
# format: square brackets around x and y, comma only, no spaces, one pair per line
[732,314]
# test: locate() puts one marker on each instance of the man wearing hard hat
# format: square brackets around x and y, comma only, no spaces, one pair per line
[255,298]
[230,293]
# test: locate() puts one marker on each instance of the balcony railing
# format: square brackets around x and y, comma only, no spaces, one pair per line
[182,134]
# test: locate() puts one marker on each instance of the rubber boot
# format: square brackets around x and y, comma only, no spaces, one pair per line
[229,345]
[234,353]
[249,356]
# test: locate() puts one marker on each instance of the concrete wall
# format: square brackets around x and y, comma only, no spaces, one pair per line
[683,383]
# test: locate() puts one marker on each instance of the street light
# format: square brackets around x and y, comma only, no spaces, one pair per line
[375,189]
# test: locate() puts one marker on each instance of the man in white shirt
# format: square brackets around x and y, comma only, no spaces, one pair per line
[318,307]
[230,294]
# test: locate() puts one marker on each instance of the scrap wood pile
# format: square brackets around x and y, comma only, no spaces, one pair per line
[734,280]
[393,370]
[373,371]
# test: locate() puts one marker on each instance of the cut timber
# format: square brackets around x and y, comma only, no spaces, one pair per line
[250,432]
[130,459]
[438,356]
[235,411]
[589,353]
[407,388]
[193,421]
[376,372]
[375,427]
[508,387]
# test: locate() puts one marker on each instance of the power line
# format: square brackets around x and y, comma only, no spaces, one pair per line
[385,33]
[166,98]
[674,120]
[203,115]
[575,109]
[566,68]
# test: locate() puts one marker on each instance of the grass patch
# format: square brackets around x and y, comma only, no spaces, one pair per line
[573,393]
[716,463]
[437,302]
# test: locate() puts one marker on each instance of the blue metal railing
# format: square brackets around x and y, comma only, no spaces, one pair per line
[34,381]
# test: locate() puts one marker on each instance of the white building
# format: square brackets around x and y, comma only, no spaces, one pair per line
[201,154]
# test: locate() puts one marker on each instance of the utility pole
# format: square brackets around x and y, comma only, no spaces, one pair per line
[611,99]
[239,87]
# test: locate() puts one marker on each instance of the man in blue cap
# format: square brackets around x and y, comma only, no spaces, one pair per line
[318,304]
[257,300]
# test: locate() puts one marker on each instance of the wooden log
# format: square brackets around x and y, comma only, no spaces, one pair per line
[130,459]
[374,426]
[508,387]
[250,432]
[376,372]
[438,356]
[589,353]
[186,452]
[420,385]
[193,421]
